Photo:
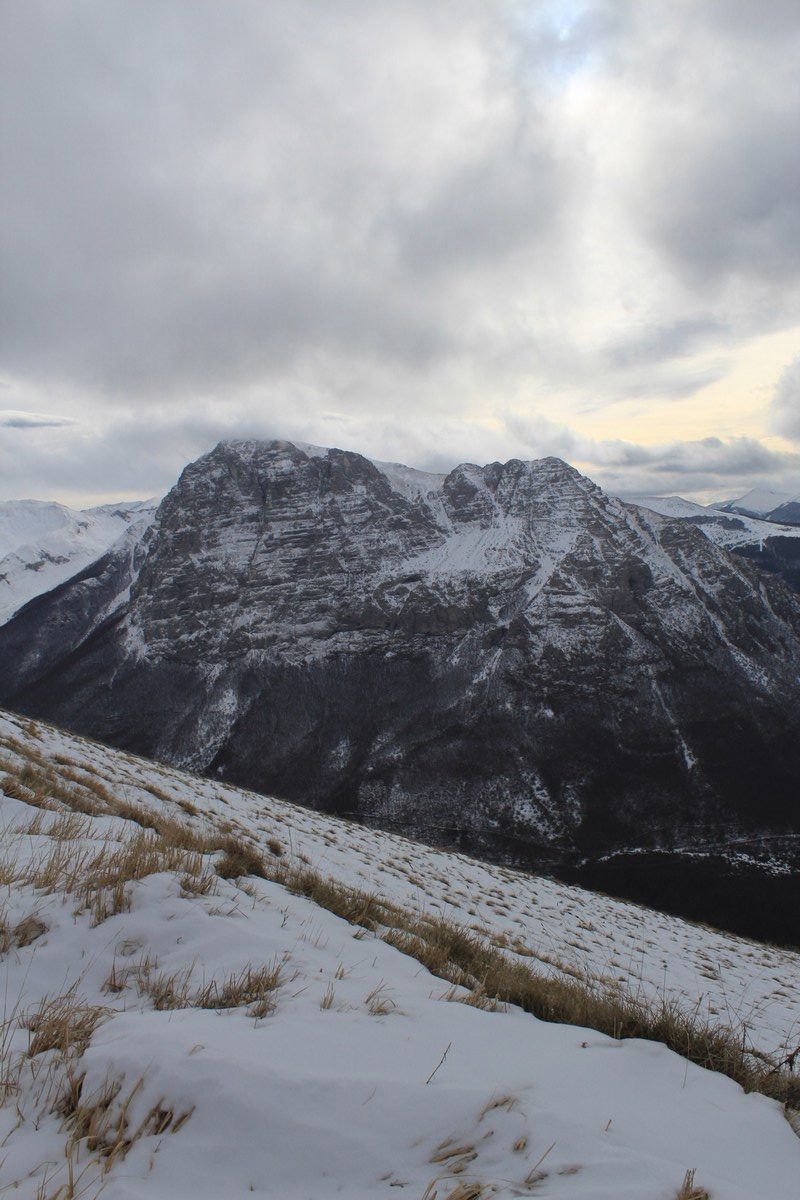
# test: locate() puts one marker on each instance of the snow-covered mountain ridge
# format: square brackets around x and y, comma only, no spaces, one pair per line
[43,543]
[503,658]
[773,547]
[171,1033]
[724,526]
[780,507]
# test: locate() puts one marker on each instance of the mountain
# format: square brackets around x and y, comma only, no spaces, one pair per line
[503,659]
[211,993]
[781,507]
[774,547]
[43,543]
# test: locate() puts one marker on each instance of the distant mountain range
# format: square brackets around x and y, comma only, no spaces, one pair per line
[775,548]
[783,508]
[43,543]
[503,658]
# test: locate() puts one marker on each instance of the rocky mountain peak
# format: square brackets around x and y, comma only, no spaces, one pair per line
[502,652]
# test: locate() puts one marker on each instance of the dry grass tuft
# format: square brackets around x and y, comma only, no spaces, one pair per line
[466,1190]
[102,889]
[99,1121]
[253,988]
[203,884]
[168,991]
[378,1003]
[16,789]
[28,930]
[328,997]
[357,907]
[69,826]
[476,998]
[688,1190]
[62,1023]
[239,859]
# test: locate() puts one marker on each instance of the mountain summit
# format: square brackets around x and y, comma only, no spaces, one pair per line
[503,658]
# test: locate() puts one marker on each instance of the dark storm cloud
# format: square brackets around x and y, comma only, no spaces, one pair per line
[381,208]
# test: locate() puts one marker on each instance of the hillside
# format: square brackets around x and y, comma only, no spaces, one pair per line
[726,526]
[504,658]
[782,507]
[178,1026]
[43,543]
[774,547]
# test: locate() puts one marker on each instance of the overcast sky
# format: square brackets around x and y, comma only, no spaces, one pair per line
[427,231]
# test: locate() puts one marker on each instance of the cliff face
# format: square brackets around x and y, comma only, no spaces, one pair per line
[503,658]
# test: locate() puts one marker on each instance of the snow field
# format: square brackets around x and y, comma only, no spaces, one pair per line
[363,1079]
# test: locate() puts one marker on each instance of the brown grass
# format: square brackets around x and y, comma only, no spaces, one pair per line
[378,1003]
[239,859]
[253,988]
[28,930]
[328,997]
[468,959]
[463,957]
[168,991]
[99,1120]
[62,1023]
[102,888]
[688,1191]
[466,1190]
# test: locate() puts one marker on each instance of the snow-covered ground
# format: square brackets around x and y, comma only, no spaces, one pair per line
[355,1072]
[43,543]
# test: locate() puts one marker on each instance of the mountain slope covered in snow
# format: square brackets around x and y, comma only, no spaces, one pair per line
[179,1027]
[724,526]
[781,507]
[504,658]
[43,543]
[772,546]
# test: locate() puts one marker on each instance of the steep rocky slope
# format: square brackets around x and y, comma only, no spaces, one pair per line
[502,658]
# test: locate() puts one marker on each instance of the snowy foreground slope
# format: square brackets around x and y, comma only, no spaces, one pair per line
[172,1033]
[44,543]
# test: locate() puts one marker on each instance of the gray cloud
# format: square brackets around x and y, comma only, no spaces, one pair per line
[267,215]
[786,402]
[655,343]
[700,466]
[11,418]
